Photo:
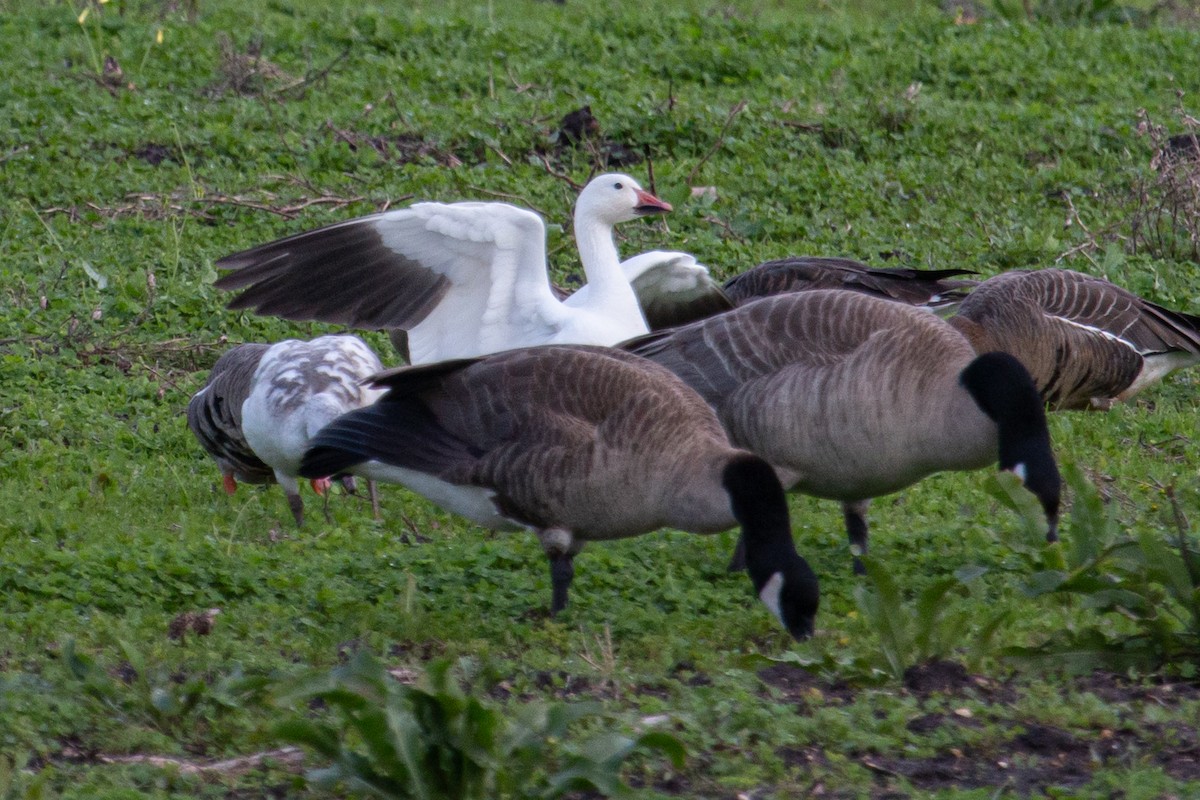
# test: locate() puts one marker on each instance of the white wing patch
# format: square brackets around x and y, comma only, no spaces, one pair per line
[494,256]
[298,388]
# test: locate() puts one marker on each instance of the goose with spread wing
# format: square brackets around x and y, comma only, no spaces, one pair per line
[464,279]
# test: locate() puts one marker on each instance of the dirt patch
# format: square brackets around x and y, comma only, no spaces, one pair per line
[406,148]
[580,130]
[1036,759]
[797,684]
[945,677]
[154,154]
[1113,688]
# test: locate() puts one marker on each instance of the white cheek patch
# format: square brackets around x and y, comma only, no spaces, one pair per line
[770,594]
[1020,471]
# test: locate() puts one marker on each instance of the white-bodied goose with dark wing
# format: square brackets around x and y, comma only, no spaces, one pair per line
[464,279]
[298,388]
[578,444]
[671,289]
[1087,342]
[851,397]
[934,289]
[214,415]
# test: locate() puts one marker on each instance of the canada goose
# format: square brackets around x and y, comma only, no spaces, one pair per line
[1086,341]
[928,288]
[214,415]
[851,397]
[298,388]
[577,444]
[464,279]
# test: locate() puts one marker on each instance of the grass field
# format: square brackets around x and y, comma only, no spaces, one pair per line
[141,141]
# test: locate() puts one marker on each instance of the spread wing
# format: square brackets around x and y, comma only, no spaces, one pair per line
[462,278]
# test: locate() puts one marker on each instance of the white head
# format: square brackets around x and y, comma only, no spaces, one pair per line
[613,198]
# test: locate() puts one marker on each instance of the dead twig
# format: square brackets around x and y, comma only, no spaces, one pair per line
[288,757]
[725,226]
[738,108]
[562,176]
[313,77]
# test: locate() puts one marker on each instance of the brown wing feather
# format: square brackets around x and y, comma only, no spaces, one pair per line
[912,286]
[1082,338]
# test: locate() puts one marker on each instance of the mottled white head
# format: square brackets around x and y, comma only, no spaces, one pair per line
[614,198]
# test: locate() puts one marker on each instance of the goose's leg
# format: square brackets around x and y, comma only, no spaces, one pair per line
[373,493]
[855,515]
[321,487]
[560,548]
[291,488]
[562,571]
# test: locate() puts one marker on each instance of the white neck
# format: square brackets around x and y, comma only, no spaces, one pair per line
[607,284]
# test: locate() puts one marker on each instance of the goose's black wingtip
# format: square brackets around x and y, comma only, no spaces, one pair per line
[321,461]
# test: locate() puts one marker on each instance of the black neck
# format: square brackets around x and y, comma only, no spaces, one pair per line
[1005,391]
[760,506]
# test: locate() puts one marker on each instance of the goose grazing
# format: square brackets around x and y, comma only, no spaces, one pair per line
[577,444]
[933,289]
[851,397]
[1086,341]
[464,279]
[263,403]
[214,415]
[298,388]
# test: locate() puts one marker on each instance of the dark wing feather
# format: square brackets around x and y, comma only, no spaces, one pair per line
[342,273]
[214,414]
[932,287]
[1082,338]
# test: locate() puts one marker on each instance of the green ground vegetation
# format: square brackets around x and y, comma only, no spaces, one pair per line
[142,140]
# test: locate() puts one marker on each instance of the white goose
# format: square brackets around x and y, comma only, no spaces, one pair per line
[464,279]
[298,389]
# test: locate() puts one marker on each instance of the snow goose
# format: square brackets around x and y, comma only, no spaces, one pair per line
[263,403]
[577,444]
[1086,341]
[464,279]
[671,289]
[851,397]
[298,388]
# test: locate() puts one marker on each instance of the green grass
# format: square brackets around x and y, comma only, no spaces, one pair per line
[893,136]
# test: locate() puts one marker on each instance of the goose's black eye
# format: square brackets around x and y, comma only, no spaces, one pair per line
[618,186]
